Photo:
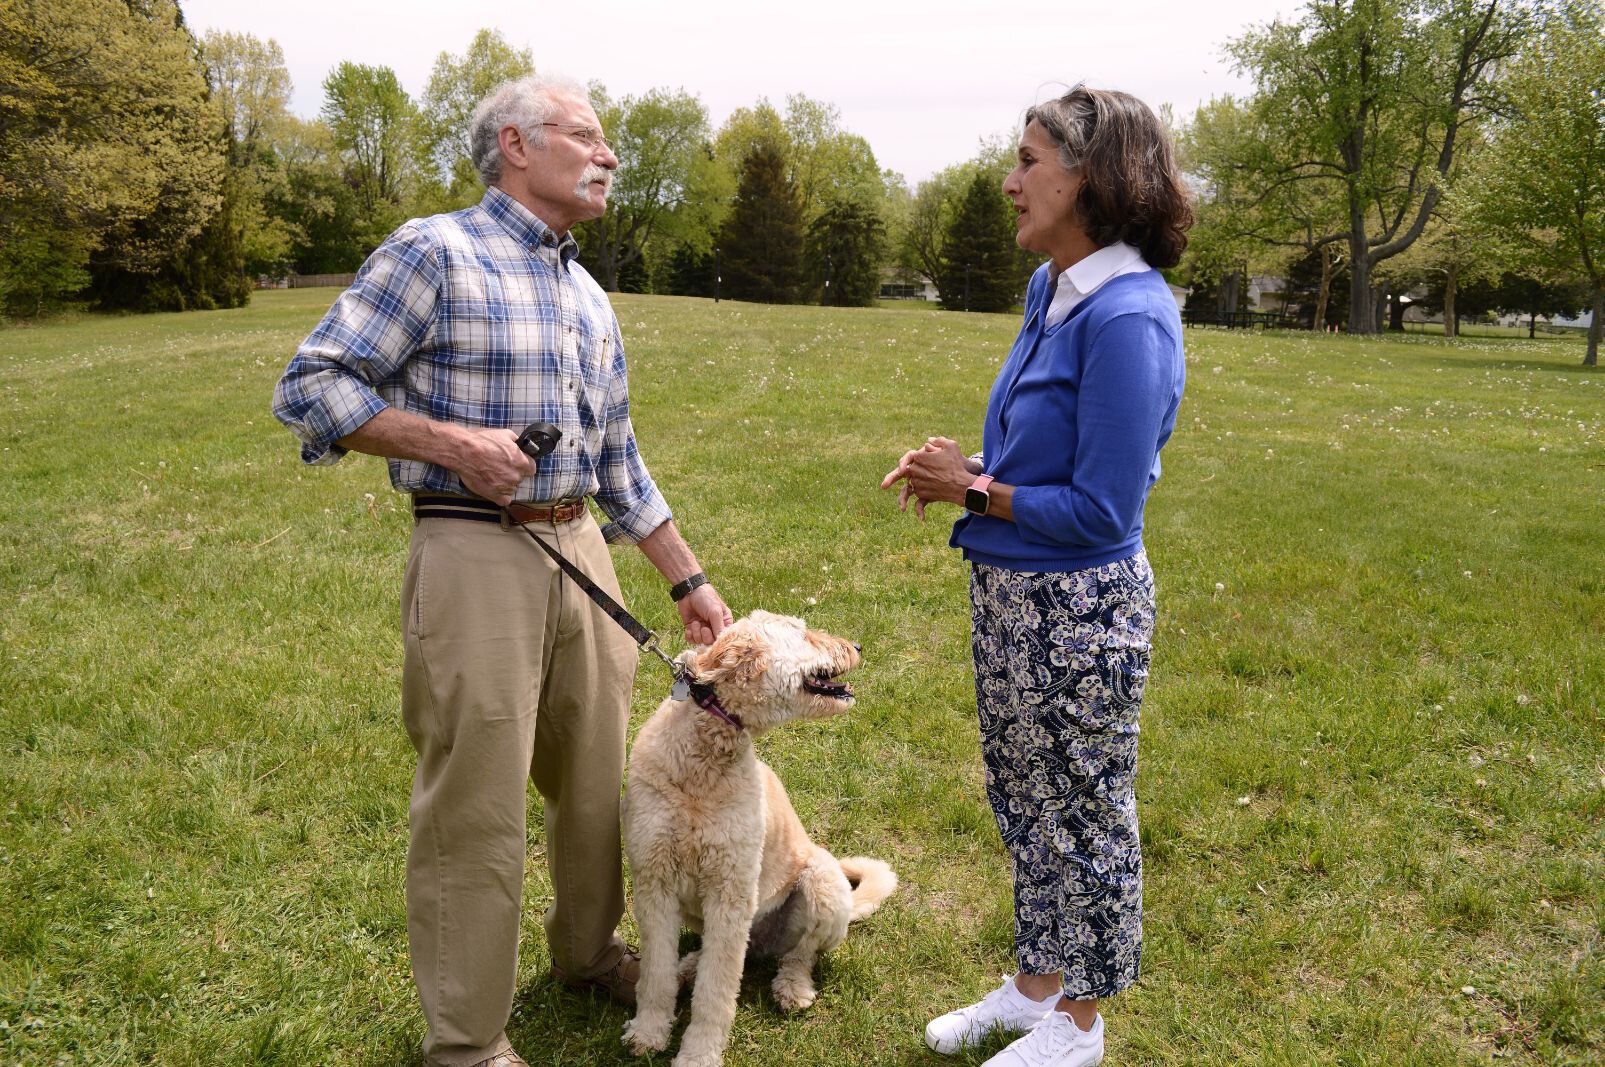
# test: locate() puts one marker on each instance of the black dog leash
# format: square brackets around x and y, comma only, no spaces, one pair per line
[539,439]
[684,685]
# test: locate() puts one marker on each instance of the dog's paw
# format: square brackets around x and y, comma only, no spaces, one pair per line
[688,968]
[641,1040]
[688,1058]
[793,994]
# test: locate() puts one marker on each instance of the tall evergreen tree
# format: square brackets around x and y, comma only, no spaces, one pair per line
[977,270]
[762,240]
[845,247]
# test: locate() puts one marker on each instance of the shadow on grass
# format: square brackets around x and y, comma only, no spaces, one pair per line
[1486,363]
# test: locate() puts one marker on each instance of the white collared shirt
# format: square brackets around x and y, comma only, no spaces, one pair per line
[1084,277]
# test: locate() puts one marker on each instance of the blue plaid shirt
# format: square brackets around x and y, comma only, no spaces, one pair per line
[480,317]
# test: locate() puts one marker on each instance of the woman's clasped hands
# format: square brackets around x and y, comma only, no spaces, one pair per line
[936,471]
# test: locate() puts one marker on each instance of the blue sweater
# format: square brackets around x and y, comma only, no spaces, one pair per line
[1076,420]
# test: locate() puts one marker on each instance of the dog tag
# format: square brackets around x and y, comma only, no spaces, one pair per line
[681,690]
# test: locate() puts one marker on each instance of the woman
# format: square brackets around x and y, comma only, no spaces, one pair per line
[1061,596]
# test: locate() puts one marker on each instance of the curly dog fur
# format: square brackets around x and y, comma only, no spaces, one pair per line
[714,842]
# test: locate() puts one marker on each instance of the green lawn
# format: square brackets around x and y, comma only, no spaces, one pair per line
[1373,766]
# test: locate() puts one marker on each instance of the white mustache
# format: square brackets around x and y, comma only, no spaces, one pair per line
[593,173]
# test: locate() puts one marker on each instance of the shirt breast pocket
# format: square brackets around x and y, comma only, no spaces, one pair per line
[600,355]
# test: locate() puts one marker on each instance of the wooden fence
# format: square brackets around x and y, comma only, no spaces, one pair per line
[307,281]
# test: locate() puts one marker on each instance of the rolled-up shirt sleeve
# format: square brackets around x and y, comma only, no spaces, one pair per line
[330,387]
[625,490]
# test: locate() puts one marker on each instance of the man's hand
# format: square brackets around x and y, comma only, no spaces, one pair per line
[704,614]
[490,463]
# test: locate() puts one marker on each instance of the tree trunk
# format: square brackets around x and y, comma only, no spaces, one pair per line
[1379,308]
[1395,312]
[1595,328]
[1362,317]
[1319,322]
[1226,295]
[1532,325]
[1451,327]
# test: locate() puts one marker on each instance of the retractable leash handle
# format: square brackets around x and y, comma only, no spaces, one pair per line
[538,439]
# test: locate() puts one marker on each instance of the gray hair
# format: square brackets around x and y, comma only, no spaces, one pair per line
[525,103]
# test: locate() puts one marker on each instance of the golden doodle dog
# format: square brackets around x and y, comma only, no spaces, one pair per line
[714,842]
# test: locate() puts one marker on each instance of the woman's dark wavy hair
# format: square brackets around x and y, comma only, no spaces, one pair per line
[1131,190]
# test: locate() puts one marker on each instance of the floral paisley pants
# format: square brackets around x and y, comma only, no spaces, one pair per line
[1060,663]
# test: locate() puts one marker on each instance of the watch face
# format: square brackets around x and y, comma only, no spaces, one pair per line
[976,500]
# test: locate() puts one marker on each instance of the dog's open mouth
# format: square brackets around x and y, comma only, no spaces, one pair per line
[828,687]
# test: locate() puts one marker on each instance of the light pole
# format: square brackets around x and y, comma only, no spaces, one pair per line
[966,286]
[715,274]
[827,279]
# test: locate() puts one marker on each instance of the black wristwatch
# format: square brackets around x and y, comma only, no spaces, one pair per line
[680,590]
[976,498]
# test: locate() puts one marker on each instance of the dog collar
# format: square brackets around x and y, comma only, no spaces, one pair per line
[708,701]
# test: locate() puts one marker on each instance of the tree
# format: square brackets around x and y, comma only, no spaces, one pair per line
[321,210]
[1376,94]
[371,118]
[249,82]
[252,89]
[456,86]
[661,139]
[929,214]
[1254,212]
[844,248]
[688,272]
[1545,185]
[172,255]
[763,236]
[828,164]
[110,159]
[1508,293]
[978,269]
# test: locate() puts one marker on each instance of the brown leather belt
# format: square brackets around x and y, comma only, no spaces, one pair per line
[462,507]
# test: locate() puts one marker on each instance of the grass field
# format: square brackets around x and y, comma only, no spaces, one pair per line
[1372,789]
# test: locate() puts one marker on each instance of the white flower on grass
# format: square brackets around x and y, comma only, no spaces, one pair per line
[1469,990]
[1523,699]
[1244,801]
[1220,587]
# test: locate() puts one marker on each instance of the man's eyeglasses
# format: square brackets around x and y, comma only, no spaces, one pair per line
[589,135]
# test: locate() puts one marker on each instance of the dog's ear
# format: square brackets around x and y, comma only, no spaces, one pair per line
[738,656]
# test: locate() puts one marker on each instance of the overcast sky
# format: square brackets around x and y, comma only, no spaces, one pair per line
[922,82]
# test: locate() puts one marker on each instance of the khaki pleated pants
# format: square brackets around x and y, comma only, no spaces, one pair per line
[511,675]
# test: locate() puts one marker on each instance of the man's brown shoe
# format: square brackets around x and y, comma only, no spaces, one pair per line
[617,981]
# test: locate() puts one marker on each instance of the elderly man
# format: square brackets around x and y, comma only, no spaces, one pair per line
[460,330]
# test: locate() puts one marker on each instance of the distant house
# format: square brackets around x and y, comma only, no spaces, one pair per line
[906,285]
[1267,293]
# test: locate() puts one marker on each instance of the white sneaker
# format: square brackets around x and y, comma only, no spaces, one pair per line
[1055,1042]
[1005,1008]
